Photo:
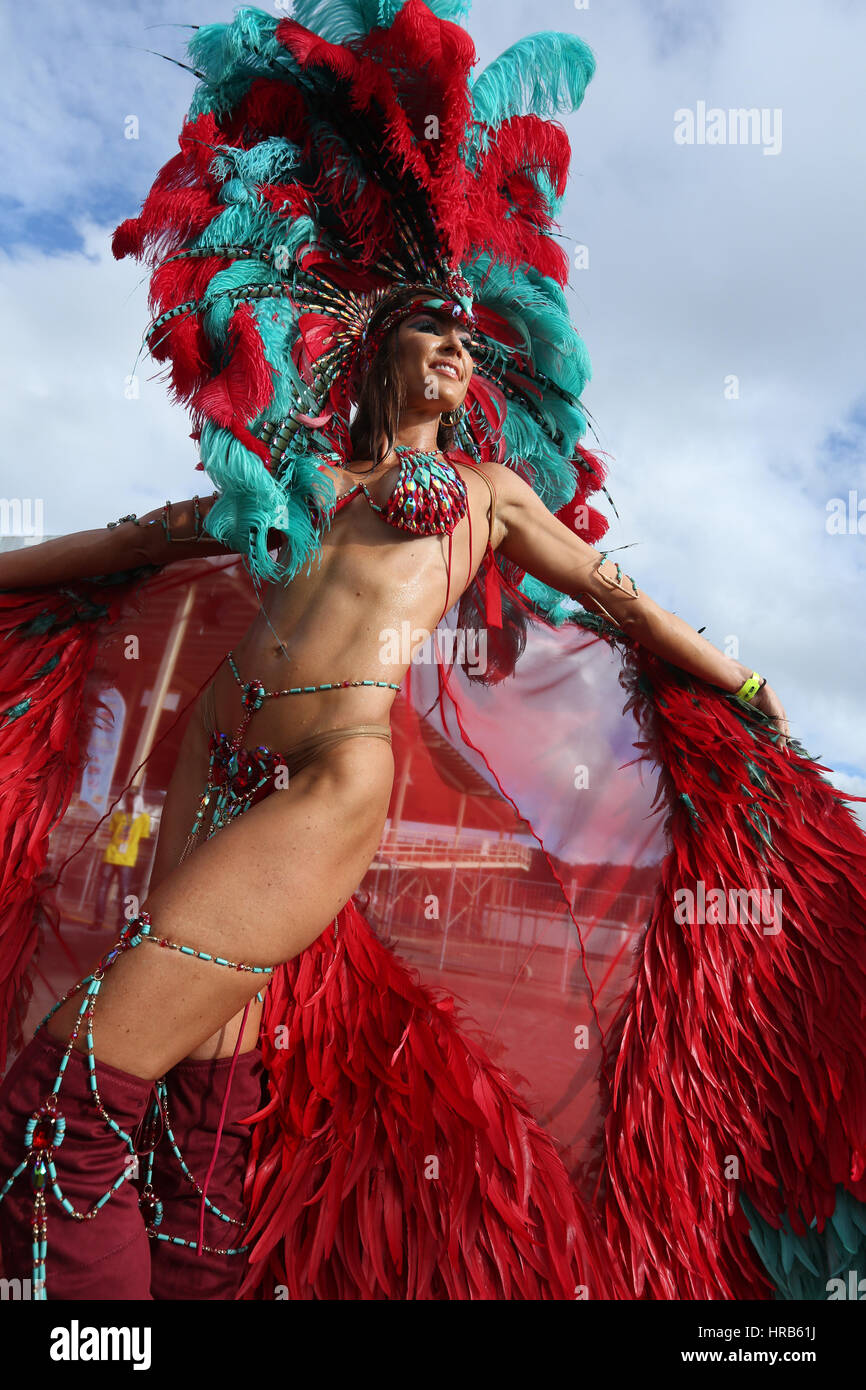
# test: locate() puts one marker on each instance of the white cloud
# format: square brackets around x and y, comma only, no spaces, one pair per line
[707,261]
[72,435]
[854,785]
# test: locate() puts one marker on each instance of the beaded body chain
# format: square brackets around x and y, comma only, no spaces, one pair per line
[236,774]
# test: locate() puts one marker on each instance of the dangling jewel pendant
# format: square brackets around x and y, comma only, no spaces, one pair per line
[429,496]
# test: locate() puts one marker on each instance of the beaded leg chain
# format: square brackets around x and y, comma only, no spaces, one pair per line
[45,1129]
[235,775]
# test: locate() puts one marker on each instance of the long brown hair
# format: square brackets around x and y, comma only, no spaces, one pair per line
[381,401]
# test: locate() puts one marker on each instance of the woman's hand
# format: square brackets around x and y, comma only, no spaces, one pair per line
[543,546]
[769,703]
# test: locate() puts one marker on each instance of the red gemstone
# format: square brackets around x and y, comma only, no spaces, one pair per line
[253,695]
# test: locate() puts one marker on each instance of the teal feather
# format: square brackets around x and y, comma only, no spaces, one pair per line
[218,304]
[220,98]
[270,161]
[277,339]
[553,201]
[560,351]
[455,11]
[231,56]
[249,42]
[42,623]
[544,73]
[15,711]
[49,666]
[553,478]
[757,776]
[849,1223]
[536,305]
[556,607]
[339,21]
[801,1266]
[254,502]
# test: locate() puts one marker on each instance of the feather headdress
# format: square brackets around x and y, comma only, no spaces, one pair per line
[328,161]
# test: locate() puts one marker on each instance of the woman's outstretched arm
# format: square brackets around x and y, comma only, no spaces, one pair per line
[539,543]
[107,551]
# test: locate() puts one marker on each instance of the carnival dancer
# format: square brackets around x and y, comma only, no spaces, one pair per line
[365,313]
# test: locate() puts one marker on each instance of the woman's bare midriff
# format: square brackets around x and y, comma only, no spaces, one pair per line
[344,620]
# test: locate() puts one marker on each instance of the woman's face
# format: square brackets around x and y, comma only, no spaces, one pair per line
[433,352]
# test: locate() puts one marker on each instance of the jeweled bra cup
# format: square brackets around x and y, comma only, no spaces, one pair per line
[428,498]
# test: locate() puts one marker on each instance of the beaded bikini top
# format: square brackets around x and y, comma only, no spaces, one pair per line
[428,498]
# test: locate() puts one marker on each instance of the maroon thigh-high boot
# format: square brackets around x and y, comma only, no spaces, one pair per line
[107,1257]
[195,1094]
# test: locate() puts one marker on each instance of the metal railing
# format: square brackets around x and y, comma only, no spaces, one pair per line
[424,850]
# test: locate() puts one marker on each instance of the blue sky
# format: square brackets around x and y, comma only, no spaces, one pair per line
[706,263]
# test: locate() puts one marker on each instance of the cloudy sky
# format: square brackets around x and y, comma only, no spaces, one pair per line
[722,303]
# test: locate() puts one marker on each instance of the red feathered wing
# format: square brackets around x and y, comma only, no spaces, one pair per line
[435,1126]
[49,645]
[394,1160]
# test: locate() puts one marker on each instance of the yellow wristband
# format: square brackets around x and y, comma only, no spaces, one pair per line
[749,689]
